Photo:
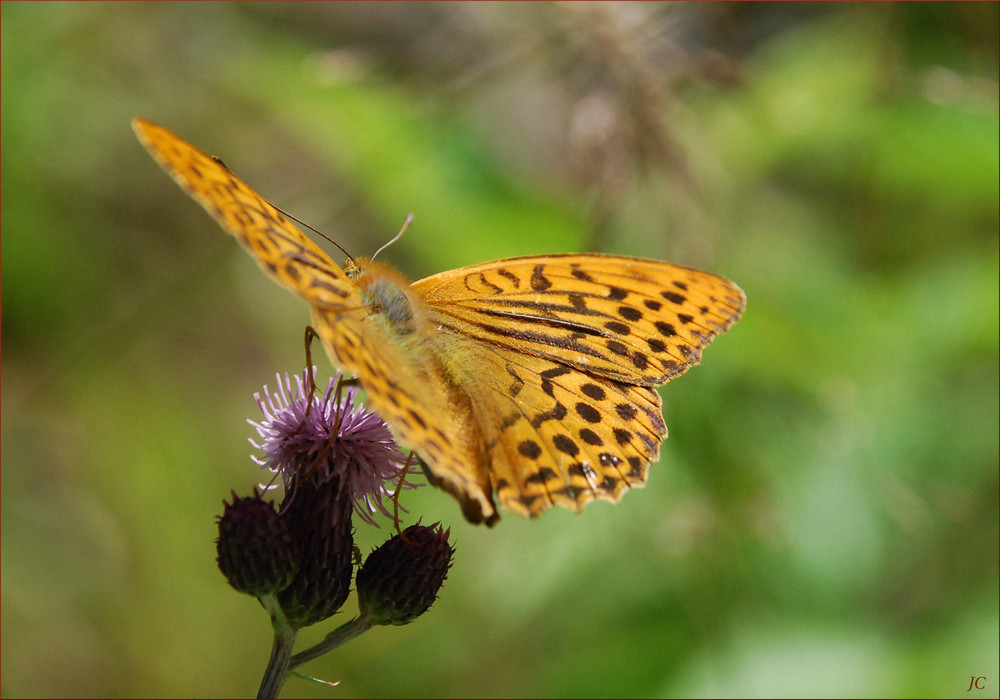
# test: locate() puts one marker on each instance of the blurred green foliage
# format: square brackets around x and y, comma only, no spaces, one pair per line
[824,519]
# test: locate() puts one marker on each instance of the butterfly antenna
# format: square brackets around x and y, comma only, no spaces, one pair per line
[406,225]
[294,218]
[317,231]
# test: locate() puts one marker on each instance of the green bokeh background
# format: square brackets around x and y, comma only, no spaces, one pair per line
[824,517]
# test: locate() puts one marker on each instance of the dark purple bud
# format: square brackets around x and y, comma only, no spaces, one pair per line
[319,517]
[400,580]
[256,552]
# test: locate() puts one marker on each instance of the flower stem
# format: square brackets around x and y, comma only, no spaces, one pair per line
[281,650]
[345,633]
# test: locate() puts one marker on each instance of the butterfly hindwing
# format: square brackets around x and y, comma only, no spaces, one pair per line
[557,436]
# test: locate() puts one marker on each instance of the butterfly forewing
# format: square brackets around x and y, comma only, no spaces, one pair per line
[280,248]
[628,319]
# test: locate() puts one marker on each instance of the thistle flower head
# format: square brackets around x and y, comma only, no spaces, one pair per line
[327,436]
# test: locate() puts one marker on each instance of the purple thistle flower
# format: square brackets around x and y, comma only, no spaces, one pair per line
[336,439]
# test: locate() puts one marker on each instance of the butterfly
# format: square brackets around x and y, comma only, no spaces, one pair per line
[530,378]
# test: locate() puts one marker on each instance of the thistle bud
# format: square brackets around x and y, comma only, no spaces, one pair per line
[256,552]
[319,516]
[400,580]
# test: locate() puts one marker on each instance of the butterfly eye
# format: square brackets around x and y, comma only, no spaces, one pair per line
[352,270]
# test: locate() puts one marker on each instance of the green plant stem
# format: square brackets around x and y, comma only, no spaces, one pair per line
[281,650]
[345,633]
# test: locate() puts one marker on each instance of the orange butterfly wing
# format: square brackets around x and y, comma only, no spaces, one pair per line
[278,246]
[567,351]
